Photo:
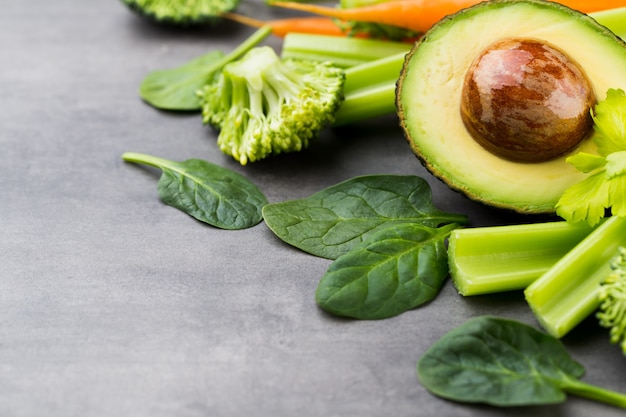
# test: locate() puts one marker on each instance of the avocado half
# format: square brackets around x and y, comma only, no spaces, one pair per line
[428,98]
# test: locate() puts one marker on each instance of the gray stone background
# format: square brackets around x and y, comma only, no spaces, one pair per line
[113,304]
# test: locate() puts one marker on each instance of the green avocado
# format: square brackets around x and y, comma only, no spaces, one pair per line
[429,96]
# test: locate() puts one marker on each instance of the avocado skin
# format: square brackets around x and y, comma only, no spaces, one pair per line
[533,195]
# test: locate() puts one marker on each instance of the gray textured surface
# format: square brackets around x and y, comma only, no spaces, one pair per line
[113,304]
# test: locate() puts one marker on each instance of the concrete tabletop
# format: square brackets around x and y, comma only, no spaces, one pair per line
[114,304]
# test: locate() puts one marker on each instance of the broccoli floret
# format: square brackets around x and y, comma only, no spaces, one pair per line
[182,12]
[612,312]
[263,105]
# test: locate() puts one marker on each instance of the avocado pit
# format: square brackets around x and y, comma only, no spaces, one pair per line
[526,101]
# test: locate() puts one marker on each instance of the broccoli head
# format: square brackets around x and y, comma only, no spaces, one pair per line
[612,312]
[182,12]
[263,105]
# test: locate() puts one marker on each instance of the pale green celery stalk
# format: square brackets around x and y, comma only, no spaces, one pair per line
[370,85]
[568,292]
[370,90]
[493,259]
[344,52]
[614,19]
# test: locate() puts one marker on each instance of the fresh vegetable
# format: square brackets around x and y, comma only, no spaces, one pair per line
[209,193]
[333,221]
[445,66]
[612,19]
[419,15]
[183,12]
[369,90]
[285,26]
[343,52]
[415,15]
[568,292]
[494,259]
[396,269]
[263,105]
[605,186]
[176,89]
[378,31]
[612,295]
[507,363]
[326,26]
[371,67]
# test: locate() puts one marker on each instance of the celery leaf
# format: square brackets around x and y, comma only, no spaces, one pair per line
[584,201]
[604,188]
[610,123]
[586,162]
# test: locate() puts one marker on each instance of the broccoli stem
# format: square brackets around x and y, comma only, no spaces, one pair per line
[568,292]
[493,259]
[343,52]
[612,310]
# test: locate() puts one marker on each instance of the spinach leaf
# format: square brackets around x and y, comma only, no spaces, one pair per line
[330,222]
[505,363]
[210,193]
[395,270]
[175,89]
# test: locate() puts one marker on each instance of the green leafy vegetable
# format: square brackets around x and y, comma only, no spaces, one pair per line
[182,12]
[331,222]
[605,187]
[263,105]
[398,268]
[505,363]
[210,193]
[612,296]
[177,88]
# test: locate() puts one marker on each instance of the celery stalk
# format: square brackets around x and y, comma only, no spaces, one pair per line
[493,259]
[568,292]
[614,19]
[370,90]
[372,68]
[344,52]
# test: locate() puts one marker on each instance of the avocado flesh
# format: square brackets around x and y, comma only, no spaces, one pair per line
[429,98]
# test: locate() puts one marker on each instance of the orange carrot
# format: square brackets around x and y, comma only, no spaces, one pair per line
[281,27]
[420,15]
[588,6]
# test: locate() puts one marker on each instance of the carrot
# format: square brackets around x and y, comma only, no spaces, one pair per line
[420,15]
[588,6]
[281,27]
[415,15]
